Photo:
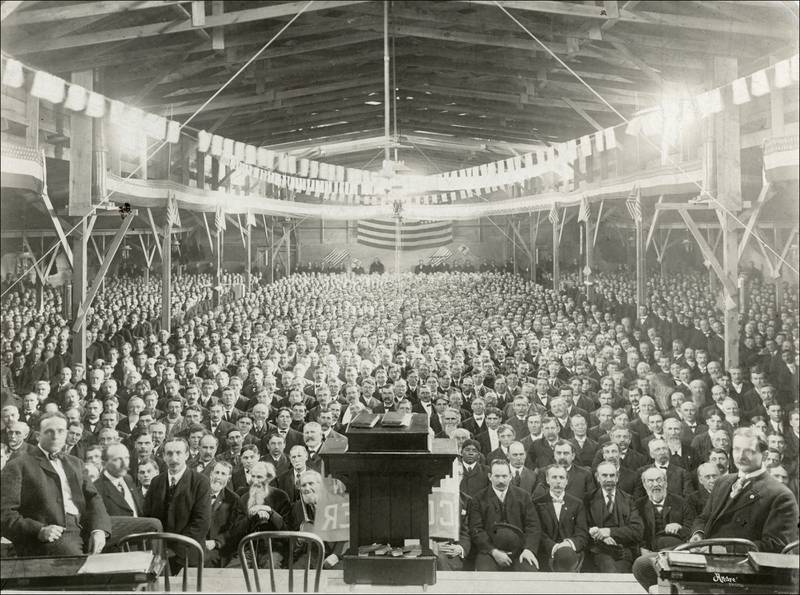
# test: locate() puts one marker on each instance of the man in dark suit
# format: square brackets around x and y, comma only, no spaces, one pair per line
[273,447]
[17,434]
[498,511]
[585,447]
[707,476]
[579,479]
[119,493]
[217,425]
[562,517]
[289,481]
[122,498]
[44,495]
[751,504]
[180,498]
[614,524]
[227,519]
[541,453]
[283,420]
[521,476]
[678,479]
[476,475]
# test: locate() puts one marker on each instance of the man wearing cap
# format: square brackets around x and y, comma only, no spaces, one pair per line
[504,524]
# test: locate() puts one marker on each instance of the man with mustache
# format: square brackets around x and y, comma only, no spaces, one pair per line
[302,518]
[504,524]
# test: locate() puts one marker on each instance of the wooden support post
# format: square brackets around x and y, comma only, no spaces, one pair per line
[556,268]
[166,278]
[288,232]
[248,267]
[534,233]
[641,267]
[80,253]
[218,275]
[589,272]
[271,251]
[32,120]
[80,319]
[80,162]
[730,263]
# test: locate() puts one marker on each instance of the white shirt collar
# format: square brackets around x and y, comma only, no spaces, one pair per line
[177,476]
[117,481]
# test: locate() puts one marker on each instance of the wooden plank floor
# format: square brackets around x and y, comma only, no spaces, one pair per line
[231,580]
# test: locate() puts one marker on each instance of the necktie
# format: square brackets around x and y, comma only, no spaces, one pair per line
[610,504]
[55,456]
[121,489]
[738,486]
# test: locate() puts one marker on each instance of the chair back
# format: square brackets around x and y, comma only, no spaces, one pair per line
[161,543]
[791,547]
[736,542]
[248,556]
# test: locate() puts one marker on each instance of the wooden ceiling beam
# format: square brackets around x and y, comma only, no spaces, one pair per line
[660,19]
[83,10]
[246,15]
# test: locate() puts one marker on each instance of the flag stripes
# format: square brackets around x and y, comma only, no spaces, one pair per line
[634,204]
[441,256]
[553,216]
[335,258]
[414,235]
[219,220]
[21,167]
[173,215]
[583,210]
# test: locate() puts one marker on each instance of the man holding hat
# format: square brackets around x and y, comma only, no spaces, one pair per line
[504,524]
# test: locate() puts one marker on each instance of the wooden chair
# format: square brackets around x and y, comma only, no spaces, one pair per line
[736,542]
[161,544]
[791,547]
[248,556]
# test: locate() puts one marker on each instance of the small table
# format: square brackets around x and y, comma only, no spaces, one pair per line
[723,573]
[101,572]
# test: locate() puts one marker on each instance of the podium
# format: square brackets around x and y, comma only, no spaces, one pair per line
[389,474]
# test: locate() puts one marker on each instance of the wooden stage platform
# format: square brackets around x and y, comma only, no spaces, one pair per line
[231,580]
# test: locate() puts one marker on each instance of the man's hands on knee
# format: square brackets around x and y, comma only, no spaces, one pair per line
[502,558]
[527,556]
[50,533]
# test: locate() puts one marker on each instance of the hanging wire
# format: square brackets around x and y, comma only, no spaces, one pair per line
[205,104]
[672,162]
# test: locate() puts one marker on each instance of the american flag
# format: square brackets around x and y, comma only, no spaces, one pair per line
[634,204]
[219,220]
[553,215]
[442,255]
[335,257]
[22,167]
[173,215]
[414,235]
[583,211]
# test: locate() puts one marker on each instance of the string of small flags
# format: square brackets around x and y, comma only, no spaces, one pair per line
[356,186]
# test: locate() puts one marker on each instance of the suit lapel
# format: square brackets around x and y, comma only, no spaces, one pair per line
[749,496]
[115,494]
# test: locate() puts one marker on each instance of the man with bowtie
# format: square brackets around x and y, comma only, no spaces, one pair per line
[565,532]
[48,507]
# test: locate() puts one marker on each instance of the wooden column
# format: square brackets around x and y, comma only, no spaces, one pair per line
[80,252]
[534,233]
[288,233]
[556,268]
[166,278]
[80,162]
[589,258]
[248,267]
[727,148]
[218,284]
[641,266]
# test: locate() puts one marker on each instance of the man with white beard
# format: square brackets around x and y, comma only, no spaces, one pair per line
[266,508]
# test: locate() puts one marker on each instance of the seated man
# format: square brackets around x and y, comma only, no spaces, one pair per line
[707,475]
[266,508]
[614,523]
[504,524]
[302,518]
[227,518]
[45,495]
[562,516]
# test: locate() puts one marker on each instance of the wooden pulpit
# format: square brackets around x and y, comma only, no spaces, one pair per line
[389,473]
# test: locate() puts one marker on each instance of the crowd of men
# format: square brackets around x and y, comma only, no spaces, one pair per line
[590,434]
